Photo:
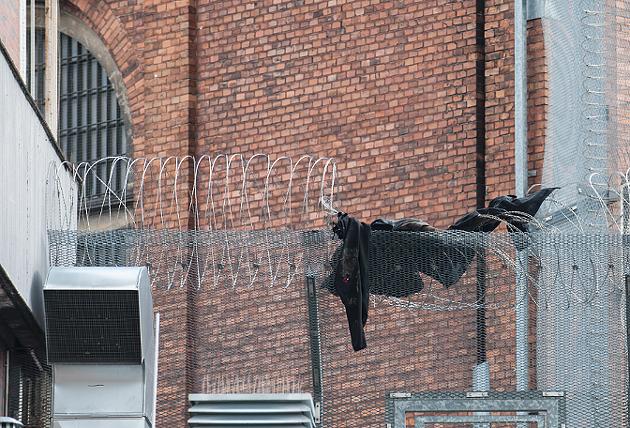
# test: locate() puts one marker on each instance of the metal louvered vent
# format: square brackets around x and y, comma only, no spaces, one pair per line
[6,422]
[251,410]
[87,326]
[98,315]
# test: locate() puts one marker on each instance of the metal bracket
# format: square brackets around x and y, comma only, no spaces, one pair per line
[553,394]
[477,394]
[535,9]
[318,412]
[546,408]
[400,394]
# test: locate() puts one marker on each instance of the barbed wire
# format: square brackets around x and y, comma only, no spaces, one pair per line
[236,222]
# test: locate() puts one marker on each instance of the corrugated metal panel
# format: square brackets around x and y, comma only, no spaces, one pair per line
[251,410]
[29,165]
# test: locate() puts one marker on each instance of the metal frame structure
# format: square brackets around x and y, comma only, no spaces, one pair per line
[310,239]
[546,409]
[420,421]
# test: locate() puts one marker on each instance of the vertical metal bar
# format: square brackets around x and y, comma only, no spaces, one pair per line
[625,241]
[71,116]
[52,39]
[520,96]
[109,138]
[314,334]
[22,35]
[309,239]
[481,309]
[627,278]
[101,146]
[63,90]
[522,322]
[156,330]
[32,53]
[520,166]
[481,372]
[73,98]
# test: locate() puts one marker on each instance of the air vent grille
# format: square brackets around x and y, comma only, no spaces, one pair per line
[251,410]
[89,326]
[6,422]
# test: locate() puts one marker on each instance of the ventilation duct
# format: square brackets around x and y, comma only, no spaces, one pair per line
[100,342]
[98,315]
[252,411]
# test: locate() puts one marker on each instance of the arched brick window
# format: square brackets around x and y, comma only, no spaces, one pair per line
[91,121]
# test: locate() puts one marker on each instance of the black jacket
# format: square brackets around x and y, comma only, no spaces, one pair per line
[351,276]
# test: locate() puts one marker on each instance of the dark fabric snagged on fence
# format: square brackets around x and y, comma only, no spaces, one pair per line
[395,261]
[389,256]
[351,277]
[396,258]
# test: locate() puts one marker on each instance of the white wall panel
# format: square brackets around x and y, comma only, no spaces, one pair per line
[36,191]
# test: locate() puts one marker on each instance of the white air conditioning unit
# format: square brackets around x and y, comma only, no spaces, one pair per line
[100,342]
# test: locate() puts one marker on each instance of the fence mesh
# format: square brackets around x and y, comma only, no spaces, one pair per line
[253,312]
[579,332]
[30,388]
[588,126]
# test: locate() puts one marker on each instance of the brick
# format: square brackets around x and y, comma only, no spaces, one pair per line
[389,90]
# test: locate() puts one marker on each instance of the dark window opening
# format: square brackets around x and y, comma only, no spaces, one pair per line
[91,125]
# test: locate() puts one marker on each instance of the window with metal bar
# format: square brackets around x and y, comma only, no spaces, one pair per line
[40,66]
[91,125]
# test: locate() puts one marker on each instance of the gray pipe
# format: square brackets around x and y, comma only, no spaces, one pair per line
[520,167]
[520,96]
[522,322]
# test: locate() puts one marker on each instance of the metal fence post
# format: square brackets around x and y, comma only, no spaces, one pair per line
[310,238]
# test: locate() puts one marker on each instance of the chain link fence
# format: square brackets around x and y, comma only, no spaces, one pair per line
[255,312]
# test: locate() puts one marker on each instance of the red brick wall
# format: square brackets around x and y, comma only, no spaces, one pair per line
[10,28]
[387,88]
[499,97]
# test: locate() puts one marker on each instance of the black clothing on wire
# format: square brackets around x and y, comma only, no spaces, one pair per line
[529,204]
[404,224]
[351,276]
[390,260]
[517,212]
[480,220]
[398,258]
